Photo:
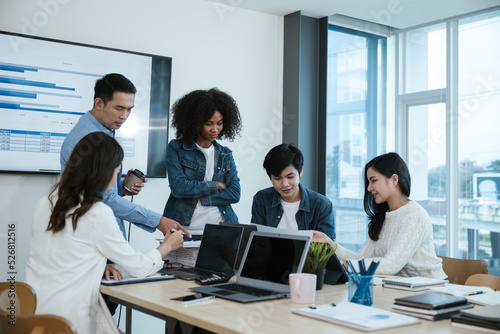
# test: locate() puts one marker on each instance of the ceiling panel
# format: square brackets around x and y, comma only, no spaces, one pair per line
[399,14]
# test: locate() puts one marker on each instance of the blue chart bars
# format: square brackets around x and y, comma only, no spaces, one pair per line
[13,86]
[27,89]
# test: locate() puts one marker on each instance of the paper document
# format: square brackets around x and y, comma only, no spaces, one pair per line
[459,290]
[357,316]
[489,298]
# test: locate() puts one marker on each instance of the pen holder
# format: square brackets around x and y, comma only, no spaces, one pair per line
[360,289]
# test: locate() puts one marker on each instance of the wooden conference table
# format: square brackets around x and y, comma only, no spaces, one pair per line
[275,316]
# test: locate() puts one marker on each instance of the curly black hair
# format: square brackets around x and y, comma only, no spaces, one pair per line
[193,110]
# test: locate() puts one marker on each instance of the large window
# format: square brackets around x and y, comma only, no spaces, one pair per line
[442,115]
[448,110]
[478,147]
[356,68]
[422,120]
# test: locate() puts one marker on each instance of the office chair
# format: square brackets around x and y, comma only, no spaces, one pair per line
[19,298]
[458,270]
[23,297]
[44,324]
[484,280]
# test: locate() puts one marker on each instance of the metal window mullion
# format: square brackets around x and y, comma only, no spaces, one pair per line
[452,164]
[401,111]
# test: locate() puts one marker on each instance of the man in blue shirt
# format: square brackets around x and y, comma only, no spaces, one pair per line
[114,97]
[287,204]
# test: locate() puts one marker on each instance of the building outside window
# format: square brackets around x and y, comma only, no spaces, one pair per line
[355,63]
[442,117]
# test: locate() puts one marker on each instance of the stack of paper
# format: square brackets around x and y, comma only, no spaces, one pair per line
[430,305]
[186,255]
[357,316]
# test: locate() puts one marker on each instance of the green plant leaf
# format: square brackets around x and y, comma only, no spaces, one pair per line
[318,255]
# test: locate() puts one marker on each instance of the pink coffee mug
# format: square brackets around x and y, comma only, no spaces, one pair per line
[302,288]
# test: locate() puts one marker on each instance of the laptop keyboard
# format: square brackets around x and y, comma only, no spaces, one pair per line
[248,290]
[194,270]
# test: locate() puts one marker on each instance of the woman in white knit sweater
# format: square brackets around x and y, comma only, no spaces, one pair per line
[400,231]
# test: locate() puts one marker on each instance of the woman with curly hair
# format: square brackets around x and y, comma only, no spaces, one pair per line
[201,172]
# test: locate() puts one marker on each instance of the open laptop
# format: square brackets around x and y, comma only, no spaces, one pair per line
[247,230]
[268,260]
[218,248]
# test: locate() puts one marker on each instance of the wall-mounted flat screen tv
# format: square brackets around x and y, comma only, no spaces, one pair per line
[46,85]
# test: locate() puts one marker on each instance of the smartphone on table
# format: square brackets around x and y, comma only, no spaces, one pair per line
[196,298]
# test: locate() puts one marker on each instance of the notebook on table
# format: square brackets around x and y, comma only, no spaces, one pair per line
[431,301]
[268,260]
[247,230]
[412,283]
[218,248]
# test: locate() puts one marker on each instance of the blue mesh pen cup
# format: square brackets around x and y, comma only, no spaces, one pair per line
[360,289]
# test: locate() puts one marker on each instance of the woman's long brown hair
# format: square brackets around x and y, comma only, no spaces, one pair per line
[85,178]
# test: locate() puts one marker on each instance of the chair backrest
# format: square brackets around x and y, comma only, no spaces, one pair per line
[484,280]
[44,324]
[458,270]
[19,294]
[16,299]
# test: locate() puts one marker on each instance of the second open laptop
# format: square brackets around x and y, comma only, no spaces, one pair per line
[247,230]
[218,248]
[268,260]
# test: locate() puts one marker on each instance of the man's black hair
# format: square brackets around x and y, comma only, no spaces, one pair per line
[282,156]
[106,87]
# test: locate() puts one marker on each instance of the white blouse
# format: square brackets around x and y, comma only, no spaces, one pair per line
[405,246]
[65,268]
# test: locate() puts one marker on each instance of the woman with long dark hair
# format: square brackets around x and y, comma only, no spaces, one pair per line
[74,233]
[400,232]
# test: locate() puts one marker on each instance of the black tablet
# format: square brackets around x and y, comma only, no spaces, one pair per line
[335,273]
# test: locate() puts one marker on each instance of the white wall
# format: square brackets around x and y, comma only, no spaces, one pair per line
[236,50]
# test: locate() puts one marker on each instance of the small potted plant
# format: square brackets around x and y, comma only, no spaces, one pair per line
[317,257]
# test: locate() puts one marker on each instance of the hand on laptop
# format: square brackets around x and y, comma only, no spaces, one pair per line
[112,272]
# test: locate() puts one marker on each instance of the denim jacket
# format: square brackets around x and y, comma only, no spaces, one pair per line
[186,166]
[315,211]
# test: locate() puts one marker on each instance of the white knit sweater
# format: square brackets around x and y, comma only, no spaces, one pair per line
[405,246]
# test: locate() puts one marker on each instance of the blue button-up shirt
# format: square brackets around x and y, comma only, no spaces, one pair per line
[186,166]
[122,208]
[315,211]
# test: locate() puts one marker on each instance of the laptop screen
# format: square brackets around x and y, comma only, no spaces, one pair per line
[273,258]
[218,248]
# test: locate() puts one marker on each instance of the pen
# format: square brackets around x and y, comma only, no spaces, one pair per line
[472,293]
[173,231]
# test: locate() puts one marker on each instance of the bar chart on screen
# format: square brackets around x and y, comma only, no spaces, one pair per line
[47,85]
